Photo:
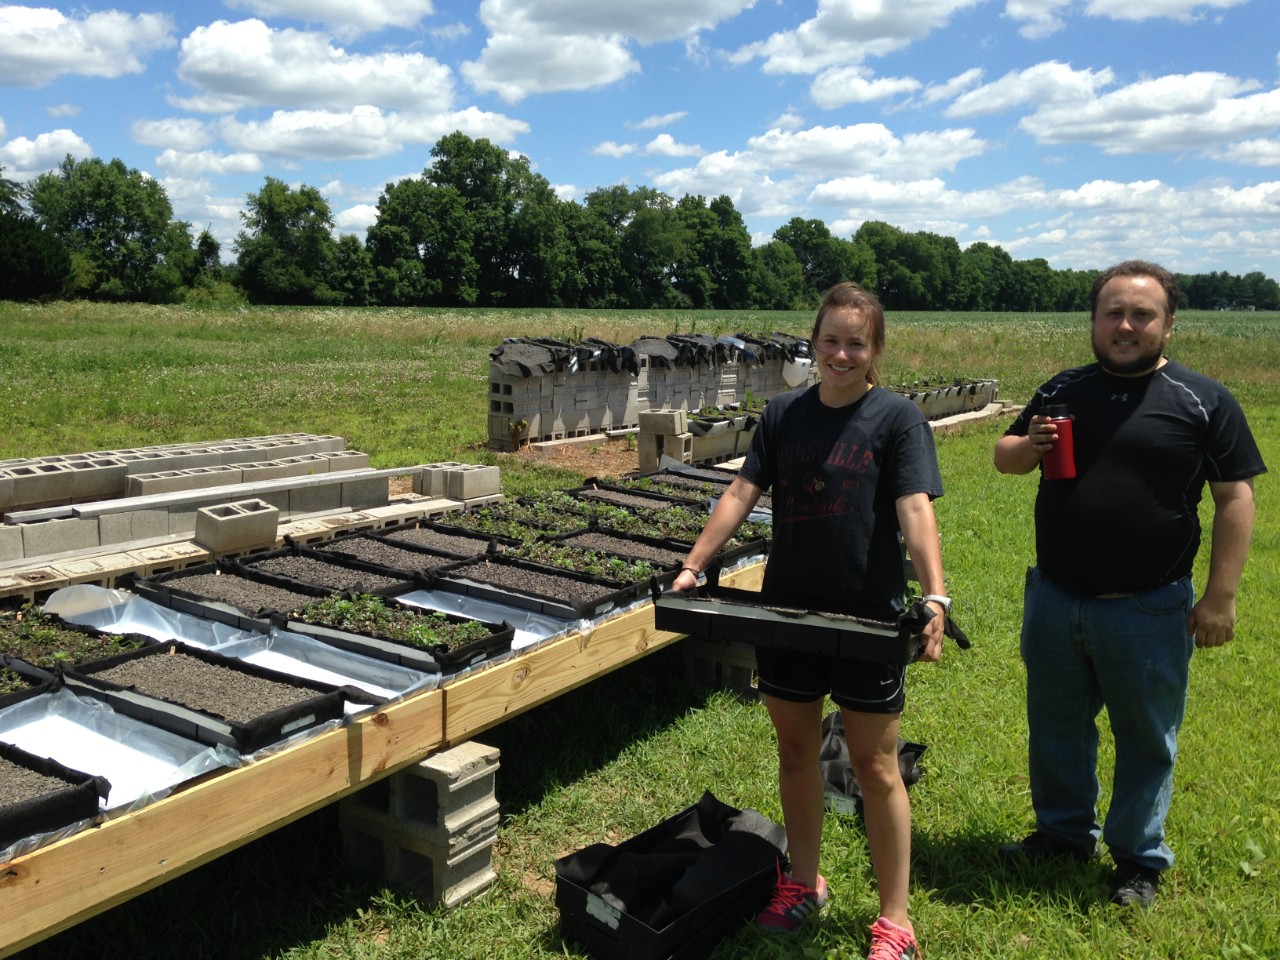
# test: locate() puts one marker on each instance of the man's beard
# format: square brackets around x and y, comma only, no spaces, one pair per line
[1139,364]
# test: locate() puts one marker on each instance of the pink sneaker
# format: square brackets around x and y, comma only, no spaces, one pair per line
[892,942]
[792,903]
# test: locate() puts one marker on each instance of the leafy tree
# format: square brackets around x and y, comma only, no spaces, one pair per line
[777,278]
[117,225]
[34,263]
[825,259]
[10,194]
[421,246]
[286,254]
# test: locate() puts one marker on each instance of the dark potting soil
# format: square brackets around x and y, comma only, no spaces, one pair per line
[17,783]
[330,576]
[622,547]
[534,582]
[624,499]
[385,554]
[231,694]
[240,591]
[438,540]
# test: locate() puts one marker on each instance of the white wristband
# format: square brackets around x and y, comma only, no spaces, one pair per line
[944,602]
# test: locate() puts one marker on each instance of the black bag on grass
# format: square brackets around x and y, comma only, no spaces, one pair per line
[843,794]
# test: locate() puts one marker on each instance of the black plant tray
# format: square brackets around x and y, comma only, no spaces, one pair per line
[166,590]
[729,614]
[467,578]
[75,800]
[438,658]
[726,556]
[28,671]
[649,498]
[483,540]
[629,545]
[406,580]
[675,890]
[324,704]
[413,561]
[39,673]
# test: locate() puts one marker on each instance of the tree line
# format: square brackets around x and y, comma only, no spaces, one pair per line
[480,228]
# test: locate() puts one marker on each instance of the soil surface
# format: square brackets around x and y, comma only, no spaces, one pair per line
[623,547]
[534,583]
[240,592]
[231,694]
[328,576]
[17,783]
[624,499]
[453,543]
[383,554]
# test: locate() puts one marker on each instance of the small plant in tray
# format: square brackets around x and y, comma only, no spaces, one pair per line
[590,562]
[32,636]
[371,615]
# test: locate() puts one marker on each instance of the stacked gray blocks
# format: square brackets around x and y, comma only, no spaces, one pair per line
[594,399]
[28,483]
[429,829]
[237,527]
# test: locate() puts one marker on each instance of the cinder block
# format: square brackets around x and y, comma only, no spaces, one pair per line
[6,489]
[345,460]
[41,483]
[10,543]
[161,481]
[58,536]
[255,471]
[97,478]
[309,464]
[471,481]
[314,499]
[364,493]
[665,422]
[235,527]
[169,557]
[118,528]
[433,480]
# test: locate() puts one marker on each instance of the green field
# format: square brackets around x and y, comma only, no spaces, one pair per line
[608,760]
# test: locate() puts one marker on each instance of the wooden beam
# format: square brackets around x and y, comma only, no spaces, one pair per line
[55,887]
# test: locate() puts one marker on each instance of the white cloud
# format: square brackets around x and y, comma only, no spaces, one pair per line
[1046,83]
[664,145]
[178,133]
[1170,113]
[186,164]
[345,18]
[364,132]
[61,110]
[849,31]
[950,89]
[1040,16]
[827,151]
[1150,9]
[356,219]
[610,149]
[659,120]
[23,158]
[248,64]
[1254,153]
[39,44]
[539,46]
[855,84]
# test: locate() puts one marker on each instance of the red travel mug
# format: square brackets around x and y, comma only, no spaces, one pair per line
[1060,462]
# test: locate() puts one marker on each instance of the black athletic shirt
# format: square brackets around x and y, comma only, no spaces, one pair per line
[835,475]
[1144,449]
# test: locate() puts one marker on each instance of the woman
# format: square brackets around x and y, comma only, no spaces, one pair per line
[850,466]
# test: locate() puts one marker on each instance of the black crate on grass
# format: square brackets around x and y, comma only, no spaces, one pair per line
[675,890]
[71,796]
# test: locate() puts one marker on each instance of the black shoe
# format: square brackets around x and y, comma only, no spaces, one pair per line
[1039,847]
[1133,885]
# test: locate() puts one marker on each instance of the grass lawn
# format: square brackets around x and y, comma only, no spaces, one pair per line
[610,759]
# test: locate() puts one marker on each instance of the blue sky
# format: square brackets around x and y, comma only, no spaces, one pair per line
[1080,131]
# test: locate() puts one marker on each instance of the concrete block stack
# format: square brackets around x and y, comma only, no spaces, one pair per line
[429,829]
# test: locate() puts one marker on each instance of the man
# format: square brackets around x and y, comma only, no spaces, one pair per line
[1110,616]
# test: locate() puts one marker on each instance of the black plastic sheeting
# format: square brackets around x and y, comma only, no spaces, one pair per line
[540,356]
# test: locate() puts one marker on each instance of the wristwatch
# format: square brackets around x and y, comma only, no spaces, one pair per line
[944,602]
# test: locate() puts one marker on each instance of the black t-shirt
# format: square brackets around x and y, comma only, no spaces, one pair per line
[835,475]
[1144,449]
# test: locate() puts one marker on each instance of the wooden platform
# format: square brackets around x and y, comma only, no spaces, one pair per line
[57,886]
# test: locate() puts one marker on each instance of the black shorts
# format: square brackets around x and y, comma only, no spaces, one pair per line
[858,685]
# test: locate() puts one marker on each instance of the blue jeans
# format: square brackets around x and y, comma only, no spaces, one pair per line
[1131,654]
